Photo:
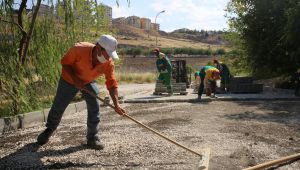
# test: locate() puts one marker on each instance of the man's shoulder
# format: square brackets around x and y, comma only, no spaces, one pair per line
[84,44]
[80,47]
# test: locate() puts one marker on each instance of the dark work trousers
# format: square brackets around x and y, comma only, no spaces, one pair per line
[65,93]
[201,86]
[213,85]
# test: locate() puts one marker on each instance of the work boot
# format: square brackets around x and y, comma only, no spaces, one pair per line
[94,143]
[43,138]
[199,97]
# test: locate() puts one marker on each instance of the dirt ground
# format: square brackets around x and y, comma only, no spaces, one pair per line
[240,134]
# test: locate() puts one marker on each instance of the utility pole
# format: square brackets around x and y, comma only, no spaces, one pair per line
[155,25]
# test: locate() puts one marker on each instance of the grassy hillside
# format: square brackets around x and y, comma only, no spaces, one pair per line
[131,36]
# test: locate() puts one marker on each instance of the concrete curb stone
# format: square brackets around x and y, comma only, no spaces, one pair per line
[33,118]
[11,123]
[46,113]
[70,109]
[1,126]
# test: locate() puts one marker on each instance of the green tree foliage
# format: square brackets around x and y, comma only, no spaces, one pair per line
[292,31]
[266,34]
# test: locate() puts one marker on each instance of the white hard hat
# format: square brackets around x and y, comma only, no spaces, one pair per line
[109,43]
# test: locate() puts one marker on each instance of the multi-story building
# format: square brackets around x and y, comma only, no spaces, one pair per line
[107,13]
[133,21]
[154,26]
[44,10]
[120,20]
[145,23]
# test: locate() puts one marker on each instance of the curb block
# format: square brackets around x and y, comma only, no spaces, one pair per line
[1,125]
[12,123]
[46,113]
[32,118]
[70,109]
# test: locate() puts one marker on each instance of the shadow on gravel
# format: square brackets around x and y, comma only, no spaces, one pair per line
[279,112]
[28,157]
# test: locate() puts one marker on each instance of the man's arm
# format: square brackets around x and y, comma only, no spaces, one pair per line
[113,92]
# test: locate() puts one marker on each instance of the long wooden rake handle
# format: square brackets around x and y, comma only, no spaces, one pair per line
[143,125]
[274,162]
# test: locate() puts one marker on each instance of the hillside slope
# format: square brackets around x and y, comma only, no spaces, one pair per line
[131,36]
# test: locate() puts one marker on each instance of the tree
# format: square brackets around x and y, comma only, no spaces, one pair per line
[265,28]
[292,32]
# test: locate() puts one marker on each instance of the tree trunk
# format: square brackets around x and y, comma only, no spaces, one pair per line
[97,15]
[30,31]
[24,34]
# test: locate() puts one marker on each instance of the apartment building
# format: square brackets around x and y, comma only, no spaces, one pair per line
[154,26]
[107,13]
[120,20]
[44,10]
[137,22]
[133,21]
[145,23]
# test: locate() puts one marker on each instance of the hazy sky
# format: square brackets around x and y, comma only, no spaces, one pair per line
[192,14]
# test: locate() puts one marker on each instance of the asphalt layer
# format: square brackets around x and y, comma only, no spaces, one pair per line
[239,133]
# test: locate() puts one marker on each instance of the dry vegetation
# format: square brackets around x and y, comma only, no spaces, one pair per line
[137,37]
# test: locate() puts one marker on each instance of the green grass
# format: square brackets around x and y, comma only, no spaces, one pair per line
[136,77]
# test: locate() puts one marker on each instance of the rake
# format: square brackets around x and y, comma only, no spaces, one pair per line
[204,158]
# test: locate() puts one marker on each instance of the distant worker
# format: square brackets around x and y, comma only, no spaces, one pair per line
[197,75]
[225,74]
[208,77]
[164,68]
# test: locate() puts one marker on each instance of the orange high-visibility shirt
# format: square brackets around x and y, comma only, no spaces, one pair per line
[79,57]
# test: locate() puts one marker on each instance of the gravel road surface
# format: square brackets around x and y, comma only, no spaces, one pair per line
[239,133]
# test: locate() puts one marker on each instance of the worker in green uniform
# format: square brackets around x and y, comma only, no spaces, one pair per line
[225,74]
[164,68]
